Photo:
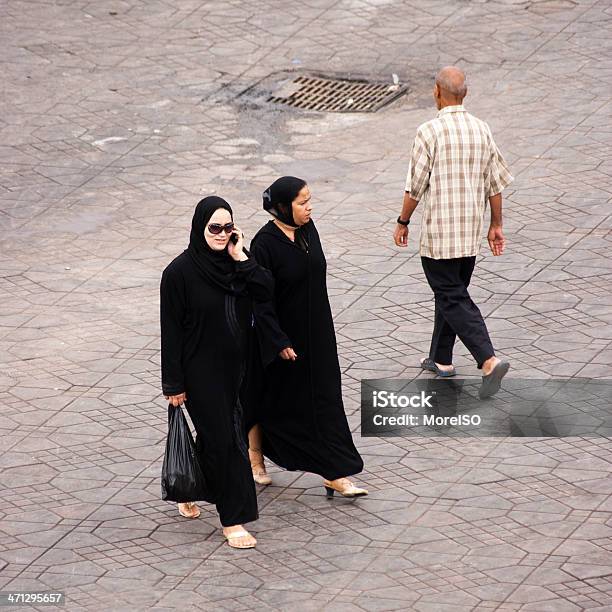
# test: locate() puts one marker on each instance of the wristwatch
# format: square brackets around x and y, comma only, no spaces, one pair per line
[399,220]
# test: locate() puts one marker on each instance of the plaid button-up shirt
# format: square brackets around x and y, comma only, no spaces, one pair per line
[454,167]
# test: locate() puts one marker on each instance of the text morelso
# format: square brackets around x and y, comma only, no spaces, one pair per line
[427,420]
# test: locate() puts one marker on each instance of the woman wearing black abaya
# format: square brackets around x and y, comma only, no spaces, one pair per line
[207,294]
[296,416]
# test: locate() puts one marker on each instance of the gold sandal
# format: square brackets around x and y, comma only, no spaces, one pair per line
[346,488]
[193,510]
[238,534]
[260,476]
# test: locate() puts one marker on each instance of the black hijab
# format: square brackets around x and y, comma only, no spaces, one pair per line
[217,267]
[278,196]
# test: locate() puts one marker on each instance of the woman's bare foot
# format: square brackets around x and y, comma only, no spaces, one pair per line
[258,467]
[238,537]
[189,510]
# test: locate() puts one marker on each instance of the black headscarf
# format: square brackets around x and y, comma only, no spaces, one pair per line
[217,267]
[277,198]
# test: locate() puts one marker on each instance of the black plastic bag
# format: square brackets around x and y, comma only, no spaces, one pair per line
[182,477]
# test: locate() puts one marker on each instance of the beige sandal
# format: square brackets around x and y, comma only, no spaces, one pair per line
[239,534]
[344,486]
[260,476]
[192,510]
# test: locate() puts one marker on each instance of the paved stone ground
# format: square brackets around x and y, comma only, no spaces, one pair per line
[116,116]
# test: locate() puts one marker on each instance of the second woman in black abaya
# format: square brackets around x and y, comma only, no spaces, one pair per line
[298,406]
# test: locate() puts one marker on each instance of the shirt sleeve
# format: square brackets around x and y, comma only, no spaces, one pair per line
[497,175]
[271,338]
[172,310]
[419,169]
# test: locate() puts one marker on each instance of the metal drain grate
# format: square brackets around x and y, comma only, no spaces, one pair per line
[546,7]
[337,95]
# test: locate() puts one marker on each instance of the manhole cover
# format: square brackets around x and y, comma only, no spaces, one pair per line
[337,95]
[544,7]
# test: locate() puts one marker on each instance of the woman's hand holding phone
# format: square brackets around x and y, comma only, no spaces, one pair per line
[236,244]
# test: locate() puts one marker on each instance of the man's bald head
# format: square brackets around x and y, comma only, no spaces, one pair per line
[451,80]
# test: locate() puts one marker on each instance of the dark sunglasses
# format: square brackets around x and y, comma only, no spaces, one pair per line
[217,228]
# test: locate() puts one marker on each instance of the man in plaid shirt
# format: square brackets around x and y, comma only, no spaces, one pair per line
[455,167]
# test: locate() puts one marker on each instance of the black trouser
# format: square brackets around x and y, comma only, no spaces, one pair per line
[455,313]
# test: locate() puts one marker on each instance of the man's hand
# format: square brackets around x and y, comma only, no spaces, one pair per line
[400,235]
[496,239]
[176,400]
[288,354]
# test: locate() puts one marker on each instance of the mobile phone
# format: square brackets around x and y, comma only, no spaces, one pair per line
[234,238]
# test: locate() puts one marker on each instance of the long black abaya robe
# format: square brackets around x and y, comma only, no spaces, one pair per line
[298,403]
[205,335]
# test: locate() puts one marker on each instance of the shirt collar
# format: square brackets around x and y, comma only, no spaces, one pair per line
[459,108]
